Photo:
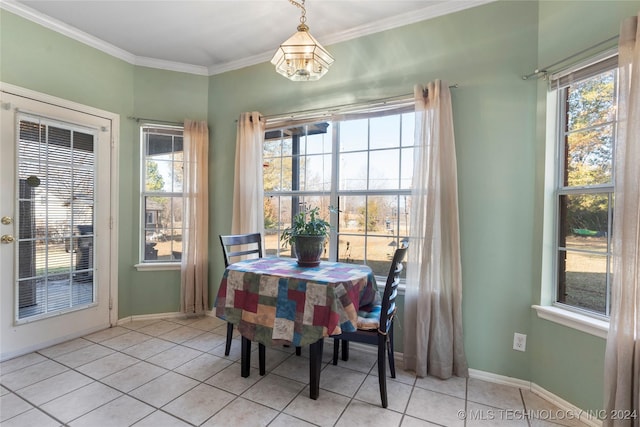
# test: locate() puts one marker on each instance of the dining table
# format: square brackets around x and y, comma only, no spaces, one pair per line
[274,301]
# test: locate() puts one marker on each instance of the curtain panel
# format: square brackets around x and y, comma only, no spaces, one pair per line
[622,357]
[195,241]
[248,190]
[433,299]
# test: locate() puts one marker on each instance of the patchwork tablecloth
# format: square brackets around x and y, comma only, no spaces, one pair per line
[274,301]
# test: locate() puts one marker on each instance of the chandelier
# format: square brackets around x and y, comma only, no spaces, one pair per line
[301,57]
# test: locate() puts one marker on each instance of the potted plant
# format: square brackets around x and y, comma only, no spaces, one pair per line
[307,236]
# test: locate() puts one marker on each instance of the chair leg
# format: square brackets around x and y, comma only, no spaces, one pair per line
[382,369]
[336,347]
[392,362]
[227,347]
[245,358]
[345,350]
[261,358]
[298,349]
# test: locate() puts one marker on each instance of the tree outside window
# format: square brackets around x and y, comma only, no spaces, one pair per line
[585,191]
[361,166]
[163,167]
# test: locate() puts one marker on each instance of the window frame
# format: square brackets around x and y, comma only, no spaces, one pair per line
[143,264]
[334,193]
[550,308]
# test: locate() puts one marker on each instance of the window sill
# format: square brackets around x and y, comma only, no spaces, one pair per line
[158,266]
[581,322]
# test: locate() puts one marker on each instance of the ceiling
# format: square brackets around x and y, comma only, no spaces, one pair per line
[212,36]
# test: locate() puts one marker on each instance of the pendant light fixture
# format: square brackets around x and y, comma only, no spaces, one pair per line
[301,57]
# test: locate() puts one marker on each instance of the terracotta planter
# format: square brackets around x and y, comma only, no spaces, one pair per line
[308,250]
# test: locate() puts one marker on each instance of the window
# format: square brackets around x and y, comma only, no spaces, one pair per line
[161,194]
[56,196]
[363,166]
[584,193]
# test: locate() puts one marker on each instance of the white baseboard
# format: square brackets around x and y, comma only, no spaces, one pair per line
[499,379]
[155,316]
[158,316]
[564,406]
[586,417]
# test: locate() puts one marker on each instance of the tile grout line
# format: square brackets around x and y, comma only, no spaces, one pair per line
[200,382]
[466,400]
[238,396]
[203,382]
[98,380]
[524,406]
[234,363]
[123,393]
[33,406]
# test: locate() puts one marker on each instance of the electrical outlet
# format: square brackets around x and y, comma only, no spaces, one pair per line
[519,342]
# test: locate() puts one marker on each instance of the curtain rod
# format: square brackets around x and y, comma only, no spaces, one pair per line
[424,92]
[142,119]
[380,101]
[537,73]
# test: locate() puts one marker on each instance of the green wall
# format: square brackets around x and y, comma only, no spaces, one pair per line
[161,95]
[499,127]
[36,58]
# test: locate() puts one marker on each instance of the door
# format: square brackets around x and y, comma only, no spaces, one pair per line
[55,209]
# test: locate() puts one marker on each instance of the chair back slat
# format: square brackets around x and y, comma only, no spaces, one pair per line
[391,290]
[392,302]
[235,245]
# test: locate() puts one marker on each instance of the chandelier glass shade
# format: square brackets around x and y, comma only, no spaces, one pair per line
[301,57]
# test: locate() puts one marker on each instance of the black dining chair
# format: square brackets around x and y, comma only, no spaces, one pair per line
[238,245]
[378,333]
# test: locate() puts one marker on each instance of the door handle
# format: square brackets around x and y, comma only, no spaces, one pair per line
[7,238]
[6,220]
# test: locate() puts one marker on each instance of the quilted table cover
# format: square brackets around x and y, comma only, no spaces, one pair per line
[274,301]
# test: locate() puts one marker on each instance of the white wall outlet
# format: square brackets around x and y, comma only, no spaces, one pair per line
[519,342]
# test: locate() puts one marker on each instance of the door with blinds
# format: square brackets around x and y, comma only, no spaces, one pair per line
[56,223]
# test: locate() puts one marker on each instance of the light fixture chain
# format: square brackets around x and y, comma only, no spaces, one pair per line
[303,18]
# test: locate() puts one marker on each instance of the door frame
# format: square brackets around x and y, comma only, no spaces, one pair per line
[114,119]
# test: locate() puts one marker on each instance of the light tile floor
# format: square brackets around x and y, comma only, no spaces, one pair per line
[173,372]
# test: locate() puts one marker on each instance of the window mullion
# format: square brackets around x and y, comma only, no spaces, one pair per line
[609,255]
[593,189]
[590,128]
[333,198]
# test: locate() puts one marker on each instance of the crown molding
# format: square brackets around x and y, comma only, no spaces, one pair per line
[241,63]
[430,12]
[78,35]
[171,66]
[67,30]
[427,13]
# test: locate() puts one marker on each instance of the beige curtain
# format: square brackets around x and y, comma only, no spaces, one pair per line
[622,359]
[195,243]
[433,299]
[248,191]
